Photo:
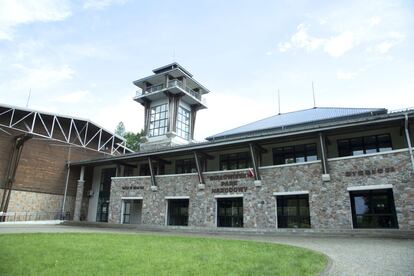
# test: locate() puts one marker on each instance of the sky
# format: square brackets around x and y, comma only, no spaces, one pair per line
[79,58]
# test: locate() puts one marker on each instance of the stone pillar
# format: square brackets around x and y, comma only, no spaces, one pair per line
[79,195]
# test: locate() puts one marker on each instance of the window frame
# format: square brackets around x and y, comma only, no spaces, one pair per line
[372,214]
[155,120]
[183,126]
[241,160]
[295,153]
[349,150]
[281,205]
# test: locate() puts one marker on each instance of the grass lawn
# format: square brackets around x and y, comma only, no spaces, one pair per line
[130,254]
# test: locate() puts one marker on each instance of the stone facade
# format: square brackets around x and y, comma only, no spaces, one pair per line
[329,201]
[22,201]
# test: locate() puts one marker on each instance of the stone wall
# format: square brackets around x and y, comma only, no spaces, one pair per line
[329,202]
[21,201]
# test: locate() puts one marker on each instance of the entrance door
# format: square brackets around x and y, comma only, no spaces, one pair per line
[178,212]
[104,194]
[230,212]
[373,209]
[132,211]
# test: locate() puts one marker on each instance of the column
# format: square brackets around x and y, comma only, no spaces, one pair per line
[79,195]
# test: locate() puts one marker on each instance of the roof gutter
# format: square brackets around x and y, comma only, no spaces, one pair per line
[407,135]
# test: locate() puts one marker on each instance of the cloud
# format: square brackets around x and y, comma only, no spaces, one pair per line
[101,4]
[337,46]
[377,26]
[16,12]
[81,96]
[383,47]
[42,77]
[340,75]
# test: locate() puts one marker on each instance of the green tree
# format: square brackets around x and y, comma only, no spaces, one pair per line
[133,139]
[120,129]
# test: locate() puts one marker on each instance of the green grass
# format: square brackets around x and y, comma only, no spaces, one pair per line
[124,254]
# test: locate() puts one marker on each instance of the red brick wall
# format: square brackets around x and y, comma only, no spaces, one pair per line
[42,164]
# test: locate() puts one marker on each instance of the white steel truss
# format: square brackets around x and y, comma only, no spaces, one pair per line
[70,130]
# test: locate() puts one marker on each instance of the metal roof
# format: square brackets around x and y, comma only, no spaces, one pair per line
[327,125]
[301,117]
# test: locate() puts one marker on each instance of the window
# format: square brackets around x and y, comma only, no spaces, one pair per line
[132,211]
[294,154]
[158,120]
[373,209]
[364,145]
[235,161]
[178,212]
[183,123]
[230,212]
[185,166]
[128,171]
[293,211]
[104,194]
[145,171]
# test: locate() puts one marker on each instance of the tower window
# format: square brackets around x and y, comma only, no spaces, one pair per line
[183,123]
[158,120]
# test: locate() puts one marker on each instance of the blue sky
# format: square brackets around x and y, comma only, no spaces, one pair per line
[80,57]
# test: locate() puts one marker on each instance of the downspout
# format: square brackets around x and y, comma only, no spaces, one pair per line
[407,136]
[66,190]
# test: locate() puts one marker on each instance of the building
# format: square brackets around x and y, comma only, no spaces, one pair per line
[320,168]
[34,150]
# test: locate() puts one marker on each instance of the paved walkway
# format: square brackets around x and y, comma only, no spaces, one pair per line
[350,256]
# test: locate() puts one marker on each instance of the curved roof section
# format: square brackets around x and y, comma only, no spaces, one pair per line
[67,129]
[295,118]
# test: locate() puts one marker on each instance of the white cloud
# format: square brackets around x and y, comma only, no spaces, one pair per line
[377,26]
[337,46]
[340,75]
[100,4]
[16,12]
[42,77]
[81,96]
[301,39]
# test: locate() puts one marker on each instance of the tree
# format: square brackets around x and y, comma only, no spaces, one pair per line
[120,129]
[132,139]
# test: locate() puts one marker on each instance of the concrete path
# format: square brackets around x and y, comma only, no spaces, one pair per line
[350,256]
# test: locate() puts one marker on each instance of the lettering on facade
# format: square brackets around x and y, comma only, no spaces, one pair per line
[132,187]
[228,183]
[376,171]
[229,190]
[228,176]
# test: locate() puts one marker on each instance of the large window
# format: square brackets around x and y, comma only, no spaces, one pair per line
[235,161]
[178,212]
[373,209]
[294,154]
[230,212]
[293,211]
[183,123]
[185,166]
[364,145]
[158,120]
